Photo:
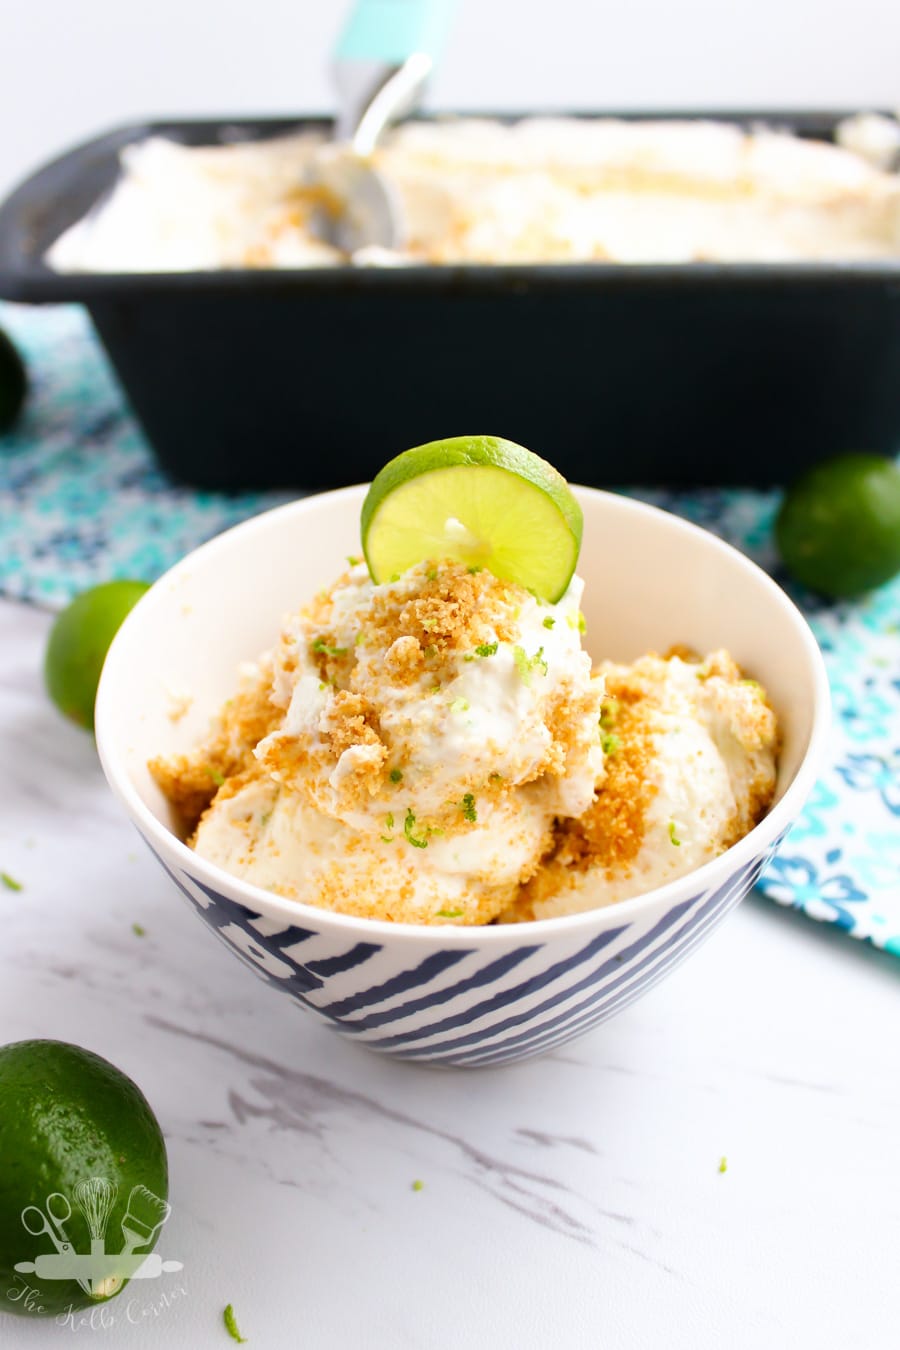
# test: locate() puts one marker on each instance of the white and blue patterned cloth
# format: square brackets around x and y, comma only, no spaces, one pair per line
[81,501]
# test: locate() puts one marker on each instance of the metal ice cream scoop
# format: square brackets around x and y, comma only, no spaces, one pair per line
[385,54]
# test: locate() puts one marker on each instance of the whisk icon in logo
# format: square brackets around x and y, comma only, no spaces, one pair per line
[99,1272]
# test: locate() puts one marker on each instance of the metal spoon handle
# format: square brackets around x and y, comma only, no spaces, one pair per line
[385,53]
[398,95]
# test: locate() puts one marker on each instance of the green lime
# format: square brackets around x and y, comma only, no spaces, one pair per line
[81,1154]
[13,383]
[838,530]
[79,641]
[477,500]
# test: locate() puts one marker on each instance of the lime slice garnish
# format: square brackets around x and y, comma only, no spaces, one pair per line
[838,530]
[477,500]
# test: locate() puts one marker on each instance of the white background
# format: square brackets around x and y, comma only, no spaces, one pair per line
[74,67]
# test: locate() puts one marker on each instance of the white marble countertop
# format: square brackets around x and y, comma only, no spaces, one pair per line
[574,1201]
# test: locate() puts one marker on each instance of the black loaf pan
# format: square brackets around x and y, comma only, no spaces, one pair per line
[679,374]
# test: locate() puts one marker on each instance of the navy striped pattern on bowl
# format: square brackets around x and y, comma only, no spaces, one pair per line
[470,1004]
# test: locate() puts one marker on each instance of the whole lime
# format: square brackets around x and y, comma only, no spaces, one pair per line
[838,530]
[82,1161]
[79,641]
[13,383]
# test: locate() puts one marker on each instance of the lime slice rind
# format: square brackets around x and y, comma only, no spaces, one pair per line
[476,500]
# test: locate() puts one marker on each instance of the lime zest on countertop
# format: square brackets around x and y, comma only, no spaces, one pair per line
[231,1325]
[139,930]
[418,1185]
[723,1163]
[10,882]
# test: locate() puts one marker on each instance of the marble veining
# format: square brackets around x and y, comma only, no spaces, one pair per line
[301,1101]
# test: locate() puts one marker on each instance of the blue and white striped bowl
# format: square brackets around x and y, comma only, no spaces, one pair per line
[449,995]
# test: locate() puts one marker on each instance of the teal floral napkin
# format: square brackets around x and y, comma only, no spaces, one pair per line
[81,501]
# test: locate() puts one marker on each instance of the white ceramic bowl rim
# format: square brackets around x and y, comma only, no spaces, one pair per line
[295,911]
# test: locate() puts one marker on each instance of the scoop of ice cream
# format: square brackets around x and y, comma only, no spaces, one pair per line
[438,750]
[426,735]
[537,190]
[690,768]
